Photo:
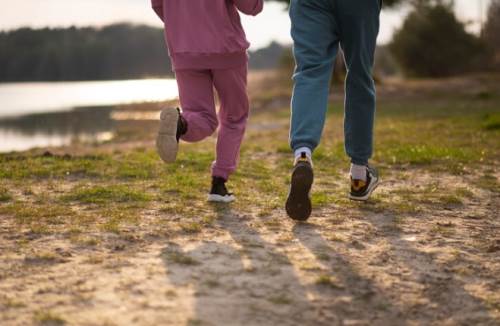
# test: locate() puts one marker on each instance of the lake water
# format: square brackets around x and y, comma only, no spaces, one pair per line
[50,114]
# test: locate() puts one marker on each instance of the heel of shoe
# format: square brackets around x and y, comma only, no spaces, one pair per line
[298,205]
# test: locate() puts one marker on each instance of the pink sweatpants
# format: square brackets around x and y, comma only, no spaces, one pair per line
[196,92]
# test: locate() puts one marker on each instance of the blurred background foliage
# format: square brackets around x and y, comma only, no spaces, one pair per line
[432,42]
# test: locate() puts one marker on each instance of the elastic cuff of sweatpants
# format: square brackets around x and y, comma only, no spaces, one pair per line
[359,161]
[300,145]
[221,173]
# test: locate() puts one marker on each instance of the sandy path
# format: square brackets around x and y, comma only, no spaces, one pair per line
[345,267]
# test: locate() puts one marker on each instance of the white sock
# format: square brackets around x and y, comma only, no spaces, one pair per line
[358,172]
[301,150]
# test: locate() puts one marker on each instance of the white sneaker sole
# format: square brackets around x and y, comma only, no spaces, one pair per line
[221,199]
[371,189]
[166,141]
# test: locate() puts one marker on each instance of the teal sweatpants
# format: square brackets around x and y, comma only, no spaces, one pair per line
[319,27]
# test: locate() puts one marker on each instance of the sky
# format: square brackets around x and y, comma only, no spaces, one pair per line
[272,25]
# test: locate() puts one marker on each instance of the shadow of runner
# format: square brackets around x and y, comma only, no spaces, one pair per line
[240,279]
[354,298]
[448,301]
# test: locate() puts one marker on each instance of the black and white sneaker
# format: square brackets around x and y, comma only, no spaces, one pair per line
[219,193]
[172,127]
[361,190]
[298,205]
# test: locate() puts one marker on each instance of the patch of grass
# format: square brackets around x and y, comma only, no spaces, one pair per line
[309,266]
[450,200]
[327,281]
[94,260]
[320,199]
[111,226]
[46,257]
[46,214]
[5,195]
[85,240]
[337,238]
[212,283]
[491,122]
[426,154]
[493,301]
[191,227]
[464,192]
[184,185]
[107,194]
[280,300]
[48,318]
[273,223]
[114,218]
[323,256]
[181,259]
[50,166]
[442,230]
[195,322]
[11,303]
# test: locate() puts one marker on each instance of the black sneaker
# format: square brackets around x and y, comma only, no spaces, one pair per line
[172,127]
[219,193]
[362,190]
[298,205]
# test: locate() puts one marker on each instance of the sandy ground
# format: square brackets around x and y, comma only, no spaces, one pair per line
[347,266]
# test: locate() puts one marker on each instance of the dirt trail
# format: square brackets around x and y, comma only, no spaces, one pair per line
[345,267]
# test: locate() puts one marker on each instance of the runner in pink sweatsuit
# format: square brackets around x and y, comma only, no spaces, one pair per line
[208,48]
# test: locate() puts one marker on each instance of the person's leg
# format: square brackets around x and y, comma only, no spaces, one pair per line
[231,85]
[359,26]
[314,33]
[197,101]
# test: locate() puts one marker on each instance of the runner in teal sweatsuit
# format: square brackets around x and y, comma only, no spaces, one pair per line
[319,27]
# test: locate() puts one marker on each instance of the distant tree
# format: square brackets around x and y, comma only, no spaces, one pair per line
[491,31]
[432,42]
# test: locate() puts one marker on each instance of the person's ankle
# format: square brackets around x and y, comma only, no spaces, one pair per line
[303,152]
[182,126]
[298,152]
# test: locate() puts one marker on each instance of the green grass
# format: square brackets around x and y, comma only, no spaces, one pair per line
[492,121]
[106,194]
[191,227]
[5,195]
[11,303]
[51,214]
[48,318]
[280,300]
[425,154]
[181,259]
[327,281]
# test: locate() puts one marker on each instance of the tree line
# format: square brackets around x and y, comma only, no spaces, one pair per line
[120,51]
[114,52]
[431,42]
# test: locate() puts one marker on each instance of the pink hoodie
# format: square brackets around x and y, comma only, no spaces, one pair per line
[206,34]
